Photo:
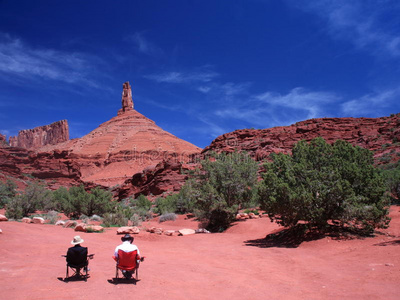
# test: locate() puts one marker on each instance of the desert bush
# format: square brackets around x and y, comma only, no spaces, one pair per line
[167,217]
[95,218]
[321,183]
[77,201]
[7,192]
[221,187]
[166,205]
[142,203]
[84,218]
[52,216]
[136,220]
[115,219]
[35,197]
[392,179]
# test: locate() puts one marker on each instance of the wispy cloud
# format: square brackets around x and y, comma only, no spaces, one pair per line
[373,103]
[201,75]
[19,60]
[360,22]
[143,45]
[272,109]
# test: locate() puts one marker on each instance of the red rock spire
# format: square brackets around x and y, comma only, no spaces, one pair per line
[127,102]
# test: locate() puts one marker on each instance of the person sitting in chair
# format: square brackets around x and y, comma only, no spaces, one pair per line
[77,255]
[127,246]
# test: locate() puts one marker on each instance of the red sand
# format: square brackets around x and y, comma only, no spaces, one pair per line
[203,266]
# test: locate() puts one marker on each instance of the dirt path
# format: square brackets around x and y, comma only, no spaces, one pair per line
[203,266]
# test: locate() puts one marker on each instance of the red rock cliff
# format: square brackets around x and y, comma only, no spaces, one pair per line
[32,139]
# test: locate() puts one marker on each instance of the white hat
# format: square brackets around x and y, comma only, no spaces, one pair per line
[77,240]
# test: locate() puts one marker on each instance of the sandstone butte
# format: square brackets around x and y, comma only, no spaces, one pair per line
[122,146]
[35,138]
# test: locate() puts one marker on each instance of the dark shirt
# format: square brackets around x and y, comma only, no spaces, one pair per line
[77,256]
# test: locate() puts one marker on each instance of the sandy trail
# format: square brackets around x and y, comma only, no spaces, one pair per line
[203,266]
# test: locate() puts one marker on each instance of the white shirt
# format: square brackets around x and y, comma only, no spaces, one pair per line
[126,247]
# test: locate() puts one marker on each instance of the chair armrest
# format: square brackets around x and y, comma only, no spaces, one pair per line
[142,258]
[91,256]
[63,256]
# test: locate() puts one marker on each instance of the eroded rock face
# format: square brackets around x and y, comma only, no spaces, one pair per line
[380,135]
[35,138]
[166,176]
[3,141]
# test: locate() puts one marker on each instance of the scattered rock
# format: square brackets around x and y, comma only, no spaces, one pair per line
[128,230]
[3,218]
[94,228]
[70,224]
[202,230]
[1,231]
[155,230]
[26,220]
[169,232]
[37,220]
[389,265]
[80,227]
[60,223]
[186,231]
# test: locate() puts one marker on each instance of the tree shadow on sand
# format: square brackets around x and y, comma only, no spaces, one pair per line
[295,236]
[389,243]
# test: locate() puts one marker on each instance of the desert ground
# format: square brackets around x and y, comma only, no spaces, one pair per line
[236,264]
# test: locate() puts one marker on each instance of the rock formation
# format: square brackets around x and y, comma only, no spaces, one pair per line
[167,176]
[33,139]
[380,135]
[123,146]
[127,102]
[3,140]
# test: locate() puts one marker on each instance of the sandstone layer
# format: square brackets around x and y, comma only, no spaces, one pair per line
[38,137]
[380,135]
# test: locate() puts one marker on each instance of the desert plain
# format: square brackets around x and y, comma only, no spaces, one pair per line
[235,264]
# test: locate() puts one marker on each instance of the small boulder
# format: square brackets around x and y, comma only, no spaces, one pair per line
[155,230]
[26,220]
[3,218]
[169,232]
[253,216]
[94,228]
[60,223]
[186,231]
[128,230]
[1,231]
[37,220]
[202,230]
[70,224]
[80,227]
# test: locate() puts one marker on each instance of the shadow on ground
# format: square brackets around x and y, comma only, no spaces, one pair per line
[123,281]
[295,236]
[389,243]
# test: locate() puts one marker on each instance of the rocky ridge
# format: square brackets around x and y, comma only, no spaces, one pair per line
[38,137]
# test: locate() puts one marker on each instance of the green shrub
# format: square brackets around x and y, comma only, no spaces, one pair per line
[221,187]
[142,203]
[166,205]
[7,192]
[35,197]
[322,182]
[115,219]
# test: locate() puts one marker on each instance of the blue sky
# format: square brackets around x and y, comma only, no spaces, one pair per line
[197,68]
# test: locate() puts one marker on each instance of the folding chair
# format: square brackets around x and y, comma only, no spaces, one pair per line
[127,261]
[79,271]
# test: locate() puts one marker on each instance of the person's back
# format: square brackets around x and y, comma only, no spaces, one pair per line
[77,256]
[127,246]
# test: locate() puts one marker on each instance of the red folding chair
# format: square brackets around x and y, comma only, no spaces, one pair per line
[128,261]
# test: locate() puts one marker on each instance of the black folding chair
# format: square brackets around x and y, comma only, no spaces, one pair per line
[79,271]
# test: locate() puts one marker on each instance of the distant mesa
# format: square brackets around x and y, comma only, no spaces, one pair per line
[38,137]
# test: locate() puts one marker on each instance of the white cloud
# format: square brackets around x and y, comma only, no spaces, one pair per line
[20,60]
[360,22]
[373,103]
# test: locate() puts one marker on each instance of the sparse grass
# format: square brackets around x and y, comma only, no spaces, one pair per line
[167,217]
